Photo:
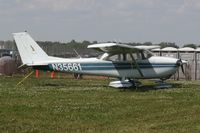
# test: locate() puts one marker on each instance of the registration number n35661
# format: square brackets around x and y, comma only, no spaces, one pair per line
[66,67]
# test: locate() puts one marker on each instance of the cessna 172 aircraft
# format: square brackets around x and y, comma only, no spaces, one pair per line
[125,62]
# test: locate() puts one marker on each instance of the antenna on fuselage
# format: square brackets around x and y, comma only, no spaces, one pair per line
[77,53]
[117,41]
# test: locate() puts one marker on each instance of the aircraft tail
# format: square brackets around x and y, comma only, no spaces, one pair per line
[30,52]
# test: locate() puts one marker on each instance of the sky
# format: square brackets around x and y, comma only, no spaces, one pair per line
[103,20]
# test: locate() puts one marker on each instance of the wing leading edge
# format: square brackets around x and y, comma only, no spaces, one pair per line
[120,48]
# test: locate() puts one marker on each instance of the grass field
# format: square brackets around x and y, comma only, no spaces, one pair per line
[68,105]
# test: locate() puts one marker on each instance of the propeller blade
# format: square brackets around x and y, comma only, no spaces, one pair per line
[180,64]
[182,69]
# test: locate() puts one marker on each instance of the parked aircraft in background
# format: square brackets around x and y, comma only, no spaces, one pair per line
[125,62]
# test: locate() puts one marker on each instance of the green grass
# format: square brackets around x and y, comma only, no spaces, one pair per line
[68,105]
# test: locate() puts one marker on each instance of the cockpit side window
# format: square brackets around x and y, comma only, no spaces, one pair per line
[115,57]
[134,56]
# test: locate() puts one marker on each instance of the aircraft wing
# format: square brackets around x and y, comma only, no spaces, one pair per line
[119,48]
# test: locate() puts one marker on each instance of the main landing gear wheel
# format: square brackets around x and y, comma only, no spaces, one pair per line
[124,84]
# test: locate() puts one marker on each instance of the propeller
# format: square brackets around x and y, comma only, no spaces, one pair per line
[180,63]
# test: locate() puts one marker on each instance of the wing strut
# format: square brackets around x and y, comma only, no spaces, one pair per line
[136,65]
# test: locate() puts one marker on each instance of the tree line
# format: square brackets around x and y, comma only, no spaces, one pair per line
[75,44]
[74,47]
[84,44]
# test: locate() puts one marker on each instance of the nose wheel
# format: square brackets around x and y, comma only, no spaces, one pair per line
[162,85]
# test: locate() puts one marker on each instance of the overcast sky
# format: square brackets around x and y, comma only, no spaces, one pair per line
[103,20]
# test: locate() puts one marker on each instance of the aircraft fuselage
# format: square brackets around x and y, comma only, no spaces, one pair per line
[153,67]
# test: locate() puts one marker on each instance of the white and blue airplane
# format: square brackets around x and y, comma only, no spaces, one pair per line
[125,62]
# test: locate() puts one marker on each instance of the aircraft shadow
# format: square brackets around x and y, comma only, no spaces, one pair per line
[143,88]
[146,88]
[74,85]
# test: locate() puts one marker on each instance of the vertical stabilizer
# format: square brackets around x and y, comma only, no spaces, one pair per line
[30,52]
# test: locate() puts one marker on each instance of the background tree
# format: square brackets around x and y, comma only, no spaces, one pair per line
[167,44]
[148,43]
[190,45]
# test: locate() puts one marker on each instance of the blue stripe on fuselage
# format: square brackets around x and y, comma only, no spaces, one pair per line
[118,66]
[111,66]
